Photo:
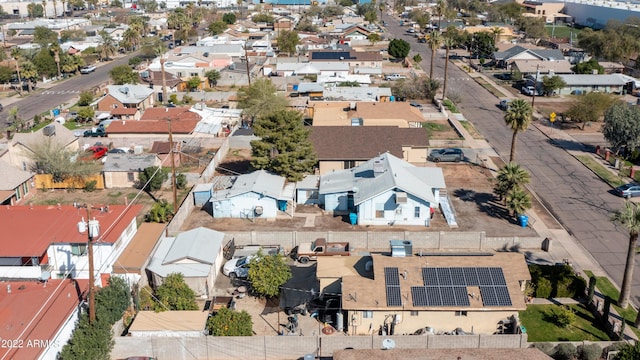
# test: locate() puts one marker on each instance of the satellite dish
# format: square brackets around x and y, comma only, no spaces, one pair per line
[388,344]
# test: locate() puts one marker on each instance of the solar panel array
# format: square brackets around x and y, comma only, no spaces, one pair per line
[447,286]
[392,283]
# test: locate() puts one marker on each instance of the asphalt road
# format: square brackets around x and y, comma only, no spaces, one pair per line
[45,99]
[577,198]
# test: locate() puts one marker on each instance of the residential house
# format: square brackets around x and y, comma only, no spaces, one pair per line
[15,184]
[163,150]
[178,323]
[362,80]
[116,32]
[607,83]
[400,114]
[283,23]
[39,317]
[542,67]
[358,94]
[288,69]
[310,43]
[355,32]
[128,96]
[123,170]
[133,261]
[221,39]
[123,113]
[503,34]
[255,195]
[27,28]
[357,60]
[196,254]
[345,147]
[22,145]
[55,247]
[505,58]
[154,79]
[478,294]
[384,190]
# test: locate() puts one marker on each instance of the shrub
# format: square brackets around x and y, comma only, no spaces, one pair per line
[589,352]
[543,288]
[565,351]
[186,99]
[563,316]
[565,282]
[546,348]
[181,181]
[90,186]
[173,98]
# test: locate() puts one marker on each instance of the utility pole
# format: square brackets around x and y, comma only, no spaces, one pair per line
[535,88]
[173,169]
[246,57]
[92,227]
[164,80]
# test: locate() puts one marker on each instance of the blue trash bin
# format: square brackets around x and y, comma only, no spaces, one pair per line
[524,220]
[353,218]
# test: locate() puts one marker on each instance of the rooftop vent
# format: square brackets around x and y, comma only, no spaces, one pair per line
[401,248]
[124,90]
[378,166]
[49,130]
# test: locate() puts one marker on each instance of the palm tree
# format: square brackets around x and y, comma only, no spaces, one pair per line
[160,50]
[629,217]
[108,47]
[56,57]
[381,7]
[131,36]
[16,120]
[496,31]
[510,177]
[440,10]
[448,43]
[29,72]
[64,10]
[518,201]
[434,41]
[518,118]
[16,54]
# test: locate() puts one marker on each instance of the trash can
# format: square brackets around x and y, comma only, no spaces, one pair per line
[524,220]
[353,218]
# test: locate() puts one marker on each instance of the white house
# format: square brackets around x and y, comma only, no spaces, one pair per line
[196,254]
[258,194]
[384,190]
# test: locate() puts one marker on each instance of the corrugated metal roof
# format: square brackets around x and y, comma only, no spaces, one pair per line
[260,182]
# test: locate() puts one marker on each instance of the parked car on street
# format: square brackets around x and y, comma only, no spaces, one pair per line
[529,90]
[505,104]
[88,69]
[628,190]
[447,154]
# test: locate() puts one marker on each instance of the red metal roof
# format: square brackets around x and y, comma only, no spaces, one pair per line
[57,299]
[152,127]
[29,230]
[175,113]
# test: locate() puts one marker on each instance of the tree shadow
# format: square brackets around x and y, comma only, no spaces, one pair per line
[487,203]
[571,145]
[237,167]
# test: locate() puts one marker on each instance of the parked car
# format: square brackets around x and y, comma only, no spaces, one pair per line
[96,152]
[530,90]
[505,104]
[392,77]
[88,69]
[96,132]
[447,154]
[237,268]
[118,151]
[628,190]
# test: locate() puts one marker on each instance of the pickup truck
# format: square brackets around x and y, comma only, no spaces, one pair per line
[97,132]
[320,247]
[392,77]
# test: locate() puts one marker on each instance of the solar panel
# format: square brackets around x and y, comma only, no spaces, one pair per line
[444,276]
[484,276]
[433,296]
[430,276]
[448,297]
[457,277]
[497,276]
[391,276]
[471,276]
[393,296]
[419,296]
[461,295]
[502,294]
[489,297]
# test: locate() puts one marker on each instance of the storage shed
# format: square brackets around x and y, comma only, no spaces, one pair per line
[202,193]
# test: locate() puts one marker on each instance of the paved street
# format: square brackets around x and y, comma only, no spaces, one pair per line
[578,198]
[63,92]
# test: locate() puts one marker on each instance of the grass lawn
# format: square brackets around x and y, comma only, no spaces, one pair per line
[471,129]
[434,127]
[600,170]
[540,328]
[605,287]
[489,87]
[562,32]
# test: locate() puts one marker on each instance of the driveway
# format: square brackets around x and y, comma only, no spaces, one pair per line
[577,197]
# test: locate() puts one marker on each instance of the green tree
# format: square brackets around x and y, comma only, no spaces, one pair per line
[161,212]
[481,45]
[553,83]
[131,37]
[267,273]
[123,74]
[175,294]
[590,107]
[434,41]
[193,83]
[628,352]
[152,178]
[374,38]
[587,67]
[533,27]
[45,63]
[52,157]
[72,35]
[86,113]
[518,201]
[108,47]
[518,118]
[622,126]
[44,36]
[368,11]
[284,147]
[288,41]
[181,181]
[229,322]
[417,58]
[229,18]
[563,316]
[399,48]
[113,300]
[260,99]
[212,77]
[89,341]
[510,176]
[262,17]
[6,74]
[217,27]
[629,218]
[134,61]
[420,17]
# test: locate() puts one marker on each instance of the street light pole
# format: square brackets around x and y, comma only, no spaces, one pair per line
[92,227]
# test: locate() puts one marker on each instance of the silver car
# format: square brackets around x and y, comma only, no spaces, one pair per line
[628,190]
[447,154]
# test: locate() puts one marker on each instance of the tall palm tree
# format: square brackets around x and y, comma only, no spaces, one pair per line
[510,177]
[448,43]
[56,57]
[108,47]
[381,7]
[518,118]
[434,41]
[496,31]
[131,36]
[440,10]
[16,54]
[629,217]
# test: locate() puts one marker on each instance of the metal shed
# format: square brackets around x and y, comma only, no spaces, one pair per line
[202,193]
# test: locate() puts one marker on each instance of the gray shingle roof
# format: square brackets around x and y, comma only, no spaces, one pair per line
[542,54]
[12,177]
[129,162]
[395,174]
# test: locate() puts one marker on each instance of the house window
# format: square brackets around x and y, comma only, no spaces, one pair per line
[380,211]
[78,249]
[414,313]
[544,12]
[416,212]
[194,74]
[367,314]
[25,188]
[461,313]
[348,164]
[179,74]
[130,177]
[18,195]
